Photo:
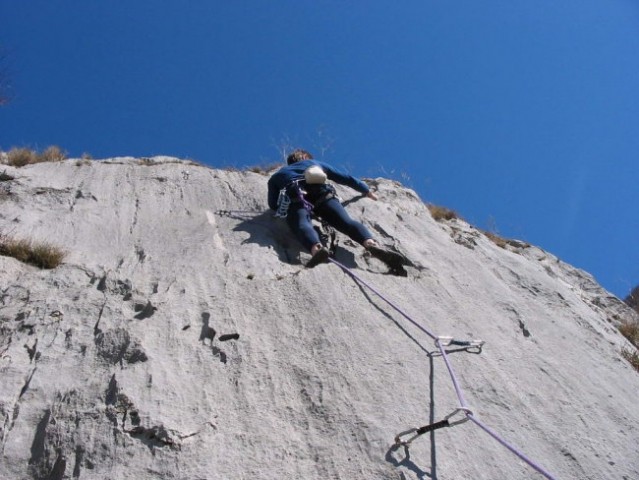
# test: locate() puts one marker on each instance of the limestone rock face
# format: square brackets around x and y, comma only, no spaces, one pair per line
[182,338]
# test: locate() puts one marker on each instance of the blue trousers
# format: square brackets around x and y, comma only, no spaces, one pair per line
[332,211]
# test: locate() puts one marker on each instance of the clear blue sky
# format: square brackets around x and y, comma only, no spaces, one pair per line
[521,115]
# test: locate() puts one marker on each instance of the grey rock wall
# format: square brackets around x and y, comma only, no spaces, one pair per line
[183,339]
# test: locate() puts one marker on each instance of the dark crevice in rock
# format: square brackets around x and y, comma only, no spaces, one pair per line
[144,310]
[116,347]
[229,336]
[32,350]
[96,327]
[79,456]
[27,326]
[219,353]
[139,251]
[524,330]
[38,444]
[112,391]
[25,387]
[116,287]
[59,467]
[153,437]
[119,406]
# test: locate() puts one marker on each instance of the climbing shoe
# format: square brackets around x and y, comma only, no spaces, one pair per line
[321,256]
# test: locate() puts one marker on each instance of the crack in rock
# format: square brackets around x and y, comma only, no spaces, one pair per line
[144,310]
[154,437]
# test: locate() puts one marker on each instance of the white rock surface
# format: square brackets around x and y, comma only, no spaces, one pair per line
[117,365]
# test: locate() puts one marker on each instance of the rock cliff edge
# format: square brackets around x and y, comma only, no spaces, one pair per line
[183,339]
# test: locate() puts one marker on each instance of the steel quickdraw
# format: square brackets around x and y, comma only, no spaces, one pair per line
[446,422]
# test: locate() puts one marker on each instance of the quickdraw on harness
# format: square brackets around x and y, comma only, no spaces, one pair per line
[327,233]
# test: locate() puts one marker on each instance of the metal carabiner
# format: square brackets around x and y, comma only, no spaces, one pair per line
[446,341]
[398,440]
[443,340]
[465,410]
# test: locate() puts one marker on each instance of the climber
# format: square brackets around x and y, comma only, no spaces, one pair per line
[299,190]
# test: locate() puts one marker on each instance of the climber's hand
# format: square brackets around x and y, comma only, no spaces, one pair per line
[371,195]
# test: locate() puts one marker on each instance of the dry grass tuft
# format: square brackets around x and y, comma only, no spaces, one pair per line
[440,213]
[39,254]
[632,300]
[194,163]
[632,357]
[147,162]
[52,154]
[496,239]
[19,157]
[5,177]
[631,332]
[264,169]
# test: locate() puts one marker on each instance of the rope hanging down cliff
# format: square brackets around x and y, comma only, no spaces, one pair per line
[441,342]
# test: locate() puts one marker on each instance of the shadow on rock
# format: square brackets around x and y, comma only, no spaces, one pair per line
[267,231]
[406,462]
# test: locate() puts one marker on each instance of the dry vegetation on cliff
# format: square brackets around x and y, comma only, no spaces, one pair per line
[39,254]
[21,156]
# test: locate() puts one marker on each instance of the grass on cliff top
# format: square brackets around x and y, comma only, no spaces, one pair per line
[631,332]
[440,213]
[19,157]
[444,214]
[39,254]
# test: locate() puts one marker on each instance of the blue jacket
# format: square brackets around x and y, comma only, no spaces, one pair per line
[285,175]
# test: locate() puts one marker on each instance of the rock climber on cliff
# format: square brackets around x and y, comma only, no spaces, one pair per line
[299,190]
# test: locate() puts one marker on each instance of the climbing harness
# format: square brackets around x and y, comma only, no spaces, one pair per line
[294,188]
[284,199]
[326,232]
[442,342]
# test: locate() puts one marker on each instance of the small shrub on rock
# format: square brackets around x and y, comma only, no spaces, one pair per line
[39,254]
[631,332]
[632,300]
[52,154]
[632,357]
[496,239]
[263,169]
[440,213]
[19,157]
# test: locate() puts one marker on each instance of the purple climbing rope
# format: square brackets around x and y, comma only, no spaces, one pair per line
[460,395]
[510,447]
[359,280]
